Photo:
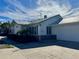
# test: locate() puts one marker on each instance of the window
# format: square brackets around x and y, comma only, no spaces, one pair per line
[49,31]
[35,30]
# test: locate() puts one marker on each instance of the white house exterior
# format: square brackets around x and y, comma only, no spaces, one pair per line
[67,29]
[44,25]
[40,27]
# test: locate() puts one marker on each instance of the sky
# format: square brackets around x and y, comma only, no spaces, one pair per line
[34,9]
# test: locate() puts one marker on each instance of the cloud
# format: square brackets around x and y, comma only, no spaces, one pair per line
[53,7]
[72,13]
[18,13]
[17,4]
[44,7]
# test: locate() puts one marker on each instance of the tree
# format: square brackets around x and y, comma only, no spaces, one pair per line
[13,23]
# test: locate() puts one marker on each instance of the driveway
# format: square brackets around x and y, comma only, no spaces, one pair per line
[42,50]
[49,52]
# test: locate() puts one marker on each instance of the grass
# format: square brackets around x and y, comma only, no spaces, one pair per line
[5,46]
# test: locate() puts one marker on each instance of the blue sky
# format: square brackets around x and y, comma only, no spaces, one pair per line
[33,9]
[32,3]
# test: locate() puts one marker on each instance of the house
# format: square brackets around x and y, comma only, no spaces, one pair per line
[39,28]
[15,27]
[64,29]
[67,29]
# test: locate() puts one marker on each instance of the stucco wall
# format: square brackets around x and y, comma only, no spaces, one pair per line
[41,30]
[42,27]
[69,32]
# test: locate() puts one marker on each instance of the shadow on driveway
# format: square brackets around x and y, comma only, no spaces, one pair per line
[43,43]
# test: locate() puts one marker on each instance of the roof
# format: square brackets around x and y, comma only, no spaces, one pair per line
[70,20]
[21,22]
[42,20]
[36,21]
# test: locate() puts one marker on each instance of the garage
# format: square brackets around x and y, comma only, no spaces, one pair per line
[66,31]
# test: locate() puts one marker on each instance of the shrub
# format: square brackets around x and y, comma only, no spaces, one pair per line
[23,32]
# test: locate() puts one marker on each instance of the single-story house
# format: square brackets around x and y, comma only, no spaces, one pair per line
[64,29]
[67,29]
[40,28]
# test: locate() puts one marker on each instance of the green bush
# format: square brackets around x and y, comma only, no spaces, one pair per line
[23,32]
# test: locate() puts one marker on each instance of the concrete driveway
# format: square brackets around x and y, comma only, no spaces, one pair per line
[49,52]
[42,50]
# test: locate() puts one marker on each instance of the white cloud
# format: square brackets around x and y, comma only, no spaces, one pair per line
[17,4]
[48,7]
[53,7]
[72,13]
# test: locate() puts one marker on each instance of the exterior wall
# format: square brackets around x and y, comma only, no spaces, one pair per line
[16,28]
[42,27]
[33,29]
[69,32]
